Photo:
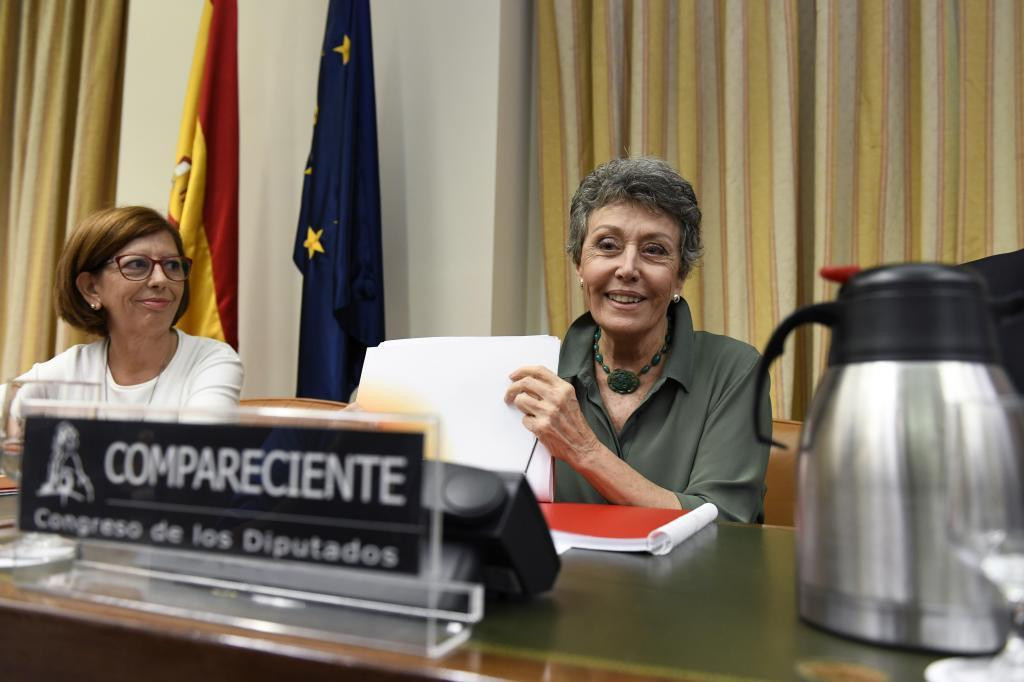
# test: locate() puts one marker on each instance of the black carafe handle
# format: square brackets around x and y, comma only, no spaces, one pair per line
[822,313]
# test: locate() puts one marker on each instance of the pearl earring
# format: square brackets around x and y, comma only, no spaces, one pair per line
[581,282]
[676,298]
[94,306]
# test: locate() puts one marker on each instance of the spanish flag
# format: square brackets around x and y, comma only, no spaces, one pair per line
[204,197]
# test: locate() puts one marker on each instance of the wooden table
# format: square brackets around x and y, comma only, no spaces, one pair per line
[720,607]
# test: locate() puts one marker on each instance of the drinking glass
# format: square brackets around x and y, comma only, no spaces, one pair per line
[31,549]
[985,479]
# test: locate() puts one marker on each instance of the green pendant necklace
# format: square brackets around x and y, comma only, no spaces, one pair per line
[622,380]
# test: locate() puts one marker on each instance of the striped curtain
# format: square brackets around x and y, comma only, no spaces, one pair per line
[61,72]
[814,132]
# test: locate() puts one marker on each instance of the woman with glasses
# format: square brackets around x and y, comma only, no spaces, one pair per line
[123,276]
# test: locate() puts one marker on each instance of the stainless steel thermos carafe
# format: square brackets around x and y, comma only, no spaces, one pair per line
[873,557]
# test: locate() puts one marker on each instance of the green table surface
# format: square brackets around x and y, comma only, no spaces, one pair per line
[721,606]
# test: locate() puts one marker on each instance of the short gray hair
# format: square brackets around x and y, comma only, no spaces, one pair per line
[650,183]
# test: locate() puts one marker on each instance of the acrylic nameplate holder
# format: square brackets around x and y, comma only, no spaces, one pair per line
[306,523]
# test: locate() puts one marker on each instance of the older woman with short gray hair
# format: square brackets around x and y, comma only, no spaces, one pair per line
[644,410]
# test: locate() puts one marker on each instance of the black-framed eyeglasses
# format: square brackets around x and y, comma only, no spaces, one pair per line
[137,267]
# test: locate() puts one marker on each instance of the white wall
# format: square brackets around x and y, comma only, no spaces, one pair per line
[452,79]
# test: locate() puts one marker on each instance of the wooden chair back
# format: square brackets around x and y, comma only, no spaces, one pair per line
[780,498]
[304,403]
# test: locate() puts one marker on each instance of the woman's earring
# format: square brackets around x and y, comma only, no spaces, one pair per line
[676,298]
[94,306]
[581,282]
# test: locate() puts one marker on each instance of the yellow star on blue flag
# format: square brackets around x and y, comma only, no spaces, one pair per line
[343,49]
[312,242]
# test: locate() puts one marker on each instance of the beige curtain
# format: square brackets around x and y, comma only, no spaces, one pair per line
[61,71]
[815,132]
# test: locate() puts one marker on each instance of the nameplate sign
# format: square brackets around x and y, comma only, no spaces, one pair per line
[327,496]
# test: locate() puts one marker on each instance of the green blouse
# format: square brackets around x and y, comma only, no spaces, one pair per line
[692,434]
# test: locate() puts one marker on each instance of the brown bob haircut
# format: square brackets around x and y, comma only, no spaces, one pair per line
[93,243]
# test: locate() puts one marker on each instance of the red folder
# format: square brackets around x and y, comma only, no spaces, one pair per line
[621,528]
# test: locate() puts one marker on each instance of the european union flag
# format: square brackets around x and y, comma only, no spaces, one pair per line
[338,244]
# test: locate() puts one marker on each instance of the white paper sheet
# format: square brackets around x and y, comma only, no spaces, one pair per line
[463,380]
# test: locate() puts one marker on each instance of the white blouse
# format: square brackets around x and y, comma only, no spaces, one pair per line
[202,373]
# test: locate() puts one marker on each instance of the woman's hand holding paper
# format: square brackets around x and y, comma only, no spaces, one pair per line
[552,414]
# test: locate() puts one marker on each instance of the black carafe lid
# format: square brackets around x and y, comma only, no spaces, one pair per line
[917,311]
